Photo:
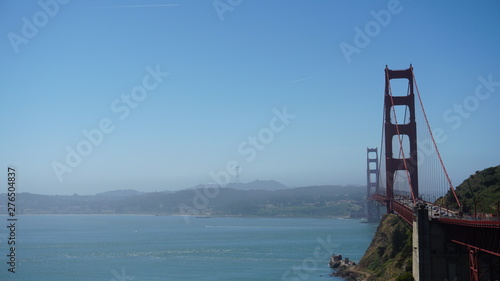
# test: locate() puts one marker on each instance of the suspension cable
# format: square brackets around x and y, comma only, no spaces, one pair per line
[435,146]
[382,151]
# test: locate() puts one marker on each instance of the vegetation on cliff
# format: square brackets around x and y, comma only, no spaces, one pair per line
[389,256]
[480,192]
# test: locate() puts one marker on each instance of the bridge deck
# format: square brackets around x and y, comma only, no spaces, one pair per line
[479,233]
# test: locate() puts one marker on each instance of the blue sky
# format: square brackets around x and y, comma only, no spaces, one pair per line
[231,66]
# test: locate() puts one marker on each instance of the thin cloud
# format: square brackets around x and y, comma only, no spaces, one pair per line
[135,6]
[300,80]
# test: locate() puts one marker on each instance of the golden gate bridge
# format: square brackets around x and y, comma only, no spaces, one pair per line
[411,182]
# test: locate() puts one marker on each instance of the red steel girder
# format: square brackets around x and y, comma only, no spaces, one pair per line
[473,264]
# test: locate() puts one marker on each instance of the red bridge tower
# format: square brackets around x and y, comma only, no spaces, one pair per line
[405,161]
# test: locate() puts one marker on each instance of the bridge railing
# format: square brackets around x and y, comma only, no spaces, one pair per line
[403,205]
[472,222]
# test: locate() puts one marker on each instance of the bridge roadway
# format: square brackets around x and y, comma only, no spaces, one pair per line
[480,233]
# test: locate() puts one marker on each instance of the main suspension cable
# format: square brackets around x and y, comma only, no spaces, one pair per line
[435,146]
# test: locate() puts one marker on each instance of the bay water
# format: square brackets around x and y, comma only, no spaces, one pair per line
[143,247]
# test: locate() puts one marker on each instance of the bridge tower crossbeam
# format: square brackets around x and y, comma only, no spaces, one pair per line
[407,160]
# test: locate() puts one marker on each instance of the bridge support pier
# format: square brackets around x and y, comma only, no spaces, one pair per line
[421,245]
[435,256]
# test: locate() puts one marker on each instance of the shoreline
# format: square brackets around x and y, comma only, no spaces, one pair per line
[179,215]
[346,269]
[351,273]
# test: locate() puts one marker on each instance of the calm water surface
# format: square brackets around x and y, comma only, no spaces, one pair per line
[120,247]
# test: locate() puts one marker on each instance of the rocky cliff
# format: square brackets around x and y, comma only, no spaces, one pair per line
[389,256]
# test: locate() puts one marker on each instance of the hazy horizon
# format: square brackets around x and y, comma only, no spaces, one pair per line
[230,185]
[158,95]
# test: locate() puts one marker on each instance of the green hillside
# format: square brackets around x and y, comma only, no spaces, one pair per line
[481,189]
[389,256]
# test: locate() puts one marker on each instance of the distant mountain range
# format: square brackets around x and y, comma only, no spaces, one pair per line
[120,193]
[270,185]
[257,198]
